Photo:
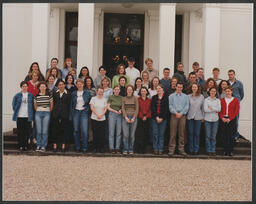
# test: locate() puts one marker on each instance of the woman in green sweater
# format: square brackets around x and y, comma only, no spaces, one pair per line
[115,120]
[130,109]
[120,70]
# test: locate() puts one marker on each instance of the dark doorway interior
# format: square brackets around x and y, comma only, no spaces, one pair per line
[123,38]
[178,39]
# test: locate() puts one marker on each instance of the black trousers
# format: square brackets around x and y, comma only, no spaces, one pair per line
[228,135]
[98,128]
[59,130]
[23,127]
[142,135]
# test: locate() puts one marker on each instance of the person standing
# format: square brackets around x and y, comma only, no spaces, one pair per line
[143,127]
[208,85]
[222,86]
[100,77]
[195,67]
[172,87]
[191,81]
[166,80]
[84,72]
[79,108]
[179,74]
[120,72]
[194,117]
[200,77]
[130,108]
[60,114]
[137,87]
[43,104]
[153,90]
[178,105]
[23,114]
[115,120]
[34,67]
[238,92]
[32,84]
[67,68]
[69,83]
[216,74]
[151,71]
[131,71]
[122,82]
[98,105]
[228,113]
[159,110]
[211,120]
[145,79]
[54,64]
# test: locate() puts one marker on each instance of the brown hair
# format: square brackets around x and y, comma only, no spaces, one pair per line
[230,88]
[207,82]
[131,87]
[118,68]
[47,89]
[34,72]
[50,72]
[198,88]
[67,59]
[79,80]
[215,69]
[195,64]
[105,78]
[148,59]
[232,70]
[151,83]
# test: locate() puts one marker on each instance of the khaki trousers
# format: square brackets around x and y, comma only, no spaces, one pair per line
[177,124]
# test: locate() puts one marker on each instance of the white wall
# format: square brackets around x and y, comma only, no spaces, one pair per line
[236,44]
[17,53]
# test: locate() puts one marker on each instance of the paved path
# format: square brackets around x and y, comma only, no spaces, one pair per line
[119,179]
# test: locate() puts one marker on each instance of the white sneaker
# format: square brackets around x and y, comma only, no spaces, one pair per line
[29,141]
[37,149]
[43,149]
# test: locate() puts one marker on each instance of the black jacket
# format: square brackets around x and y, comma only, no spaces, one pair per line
[164,107]
[61,105]
[181,77]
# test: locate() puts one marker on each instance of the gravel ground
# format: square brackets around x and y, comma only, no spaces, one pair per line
[120,179]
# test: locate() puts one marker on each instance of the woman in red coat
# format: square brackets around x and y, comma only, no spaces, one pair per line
[228,113]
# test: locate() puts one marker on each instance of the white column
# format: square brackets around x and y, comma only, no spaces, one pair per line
[167,17]
[61,53]
[54,30]
[85,36]
[40,25]
[195,38]
[185,43]
[97,34]
[153,36]
[211,42]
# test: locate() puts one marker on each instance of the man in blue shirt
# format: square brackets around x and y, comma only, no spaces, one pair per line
[238,92]
[178,105]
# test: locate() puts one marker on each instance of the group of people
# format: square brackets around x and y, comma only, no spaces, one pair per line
[130,111]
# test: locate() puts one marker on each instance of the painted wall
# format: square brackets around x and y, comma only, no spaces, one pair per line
[17,53]
[236,37]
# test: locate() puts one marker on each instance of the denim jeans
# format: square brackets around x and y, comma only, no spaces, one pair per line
[114,121]
[211,129]
[42,119]
[80,119]
[158,134]
[128,134]
[194,127]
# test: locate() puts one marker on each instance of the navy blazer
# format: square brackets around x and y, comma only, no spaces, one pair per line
[86,97]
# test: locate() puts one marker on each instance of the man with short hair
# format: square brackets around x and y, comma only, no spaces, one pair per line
[195,66]
[238,92]
[180,73]
[166,80]
[151,71]
[178,105]
[131,71]
[54,63]
[102,73]
[216,73]
[200,77]
[191,79]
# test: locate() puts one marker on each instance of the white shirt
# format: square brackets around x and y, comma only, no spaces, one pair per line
[231,83]
[133,73]
[152,93]
[23,112]
[99,106]
[228,100]
[80,101]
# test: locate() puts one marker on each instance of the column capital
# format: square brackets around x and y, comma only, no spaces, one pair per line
[211,5]
[153,15]
[167,4]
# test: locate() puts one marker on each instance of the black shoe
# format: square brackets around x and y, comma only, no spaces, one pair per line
[54,149]
[225,154]
[102,150]
[77,150]
[63,150]
[84,151]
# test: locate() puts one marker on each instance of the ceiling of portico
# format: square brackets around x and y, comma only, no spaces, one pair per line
[130,7]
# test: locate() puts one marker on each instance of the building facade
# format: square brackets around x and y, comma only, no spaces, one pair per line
[215,35]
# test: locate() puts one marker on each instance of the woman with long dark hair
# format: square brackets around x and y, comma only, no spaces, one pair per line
[69,83]
[34,67]
[84,72]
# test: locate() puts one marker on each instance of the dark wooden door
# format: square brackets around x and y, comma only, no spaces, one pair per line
[123,38]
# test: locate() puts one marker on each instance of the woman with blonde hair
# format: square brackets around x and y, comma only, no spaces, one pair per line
[67,68]
[145,79]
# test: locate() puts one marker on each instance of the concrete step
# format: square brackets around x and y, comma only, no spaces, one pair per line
[50,153]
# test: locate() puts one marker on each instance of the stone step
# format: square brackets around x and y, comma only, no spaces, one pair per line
[50,153]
